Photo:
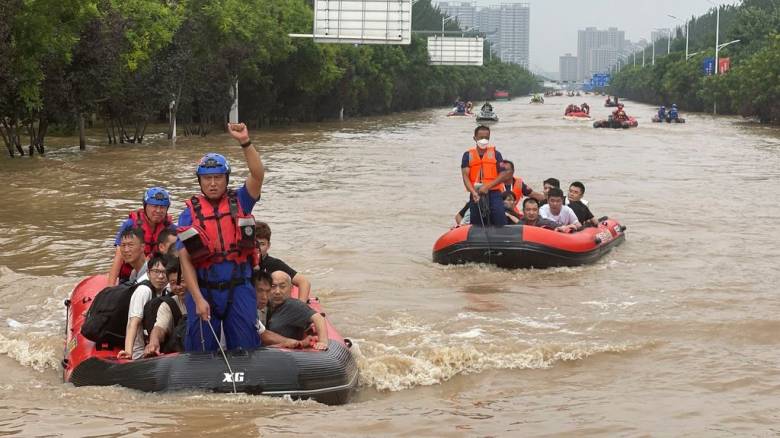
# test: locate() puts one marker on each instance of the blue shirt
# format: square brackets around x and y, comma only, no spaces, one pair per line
[221,271]
[464,163]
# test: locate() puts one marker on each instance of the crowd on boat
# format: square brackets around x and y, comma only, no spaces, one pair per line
[207,281]
[497,197]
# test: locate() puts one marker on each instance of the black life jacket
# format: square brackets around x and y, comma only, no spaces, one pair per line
[173,341]
[106,320]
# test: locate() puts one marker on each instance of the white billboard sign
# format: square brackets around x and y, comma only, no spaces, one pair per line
[455,50]
[363,21]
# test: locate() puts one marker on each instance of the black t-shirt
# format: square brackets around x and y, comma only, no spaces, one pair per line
[290,319]
[272,264]
[581,210]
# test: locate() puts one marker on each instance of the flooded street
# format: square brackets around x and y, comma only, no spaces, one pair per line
[676,332]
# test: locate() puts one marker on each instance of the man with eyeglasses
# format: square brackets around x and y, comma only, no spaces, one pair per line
[152,219]
[134,336]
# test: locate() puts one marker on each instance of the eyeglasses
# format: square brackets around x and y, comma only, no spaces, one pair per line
[159,272]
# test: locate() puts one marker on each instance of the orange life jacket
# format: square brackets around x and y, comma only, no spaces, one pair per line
[151,233]
[517,189]
[484,169]
[224,233]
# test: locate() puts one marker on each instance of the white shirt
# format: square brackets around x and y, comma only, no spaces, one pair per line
[141,296]
[565,217]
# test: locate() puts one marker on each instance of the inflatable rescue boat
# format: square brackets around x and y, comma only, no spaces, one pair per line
[520,246]
[329,376]
[614,124]
[577,115]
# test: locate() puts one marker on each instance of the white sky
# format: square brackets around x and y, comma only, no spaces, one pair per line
[554,23]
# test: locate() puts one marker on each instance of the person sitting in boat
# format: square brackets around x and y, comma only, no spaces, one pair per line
[460,106]
[481,165]
[517,186]
[167,325]
[585,107]
[661,113]
[265,262]
[548,184]
[131,249]
[134,335]
[531,216]
[166,242]
[512,216]
[608,102]
[152,218]
[269,338]
[620,114]
[579,205]
[555,211]
[216,251]
[673,114]
[291,318]
[463,217]
[487,108]
[469,107]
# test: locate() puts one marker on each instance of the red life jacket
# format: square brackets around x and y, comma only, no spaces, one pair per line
[151,233]
[225,233]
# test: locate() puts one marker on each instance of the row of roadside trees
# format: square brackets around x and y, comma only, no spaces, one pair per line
[67,63]
[751,87]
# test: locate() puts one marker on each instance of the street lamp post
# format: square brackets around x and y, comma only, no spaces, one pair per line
[687,22]
[653,50]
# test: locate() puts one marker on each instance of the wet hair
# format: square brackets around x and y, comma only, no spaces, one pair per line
[262,231]
[132,232]
[579,185]
[156,258]
[480,128]
[527,200]
[510,163]
[164,235]
[507,194]
[260,275]
[555,192]
[553,182]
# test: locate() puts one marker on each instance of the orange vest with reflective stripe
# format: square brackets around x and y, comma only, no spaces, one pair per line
[484,170]
[517,189]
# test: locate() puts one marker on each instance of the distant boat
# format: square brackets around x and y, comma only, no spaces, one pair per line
[501,95]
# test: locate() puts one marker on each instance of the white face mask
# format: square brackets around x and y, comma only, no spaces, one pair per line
[483,143]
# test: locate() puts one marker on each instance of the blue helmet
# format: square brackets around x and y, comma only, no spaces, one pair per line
[213,164]
[157,196]
[674,105]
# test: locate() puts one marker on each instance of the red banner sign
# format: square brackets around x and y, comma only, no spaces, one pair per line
[724,64]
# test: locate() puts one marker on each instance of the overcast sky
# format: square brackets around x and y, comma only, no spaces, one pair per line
[554,23]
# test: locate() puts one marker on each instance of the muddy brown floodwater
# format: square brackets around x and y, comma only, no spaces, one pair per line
[676,332]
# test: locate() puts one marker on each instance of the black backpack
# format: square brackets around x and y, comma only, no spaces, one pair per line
[173,341]
[106,320]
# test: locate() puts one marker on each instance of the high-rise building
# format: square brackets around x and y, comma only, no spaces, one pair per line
[513,33]
[598,50]
[465,12]
[506,27]
[567,67]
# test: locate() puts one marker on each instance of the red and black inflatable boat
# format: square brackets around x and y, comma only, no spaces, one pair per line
[329,376]
[519,246]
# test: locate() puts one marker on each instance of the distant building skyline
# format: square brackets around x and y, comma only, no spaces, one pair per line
[598,50]
[507,27]
[567,68]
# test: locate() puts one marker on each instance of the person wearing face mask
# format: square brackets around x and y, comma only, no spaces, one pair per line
[484,179]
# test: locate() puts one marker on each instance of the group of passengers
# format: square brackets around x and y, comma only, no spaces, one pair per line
[671,115]
[572,108]
[498,197]
[462,107]
[213,267]
[619,114]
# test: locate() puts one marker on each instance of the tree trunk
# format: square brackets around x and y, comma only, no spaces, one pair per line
[43,127]
[6,139]
[33,136]
[82,137]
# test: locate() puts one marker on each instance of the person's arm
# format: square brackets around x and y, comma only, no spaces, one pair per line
[503,178]
[469,186]
[254,183]
[156,338]
[202,308]
[273,339]
[116,265]
[322,332]
[132,329]
[304,286]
